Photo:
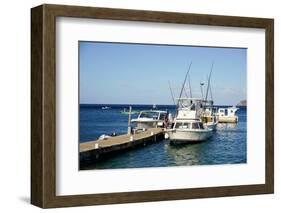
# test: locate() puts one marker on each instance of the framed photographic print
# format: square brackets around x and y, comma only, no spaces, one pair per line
[136,106]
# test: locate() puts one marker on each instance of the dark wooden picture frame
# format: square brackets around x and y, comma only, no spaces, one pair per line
[43,105]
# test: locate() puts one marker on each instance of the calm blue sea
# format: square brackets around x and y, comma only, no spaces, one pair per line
[227,146]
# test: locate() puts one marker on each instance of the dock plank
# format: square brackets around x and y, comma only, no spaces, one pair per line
[118,140]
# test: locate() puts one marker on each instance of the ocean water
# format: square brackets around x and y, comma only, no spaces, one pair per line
[227,146]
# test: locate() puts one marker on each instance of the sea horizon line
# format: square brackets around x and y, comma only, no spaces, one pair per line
[135,104]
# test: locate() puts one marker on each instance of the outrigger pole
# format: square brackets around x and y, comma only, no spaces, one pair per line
[184,82]
[211,94]
[210,89]
[185,92]
[189,85]
[208,86]
[172,94]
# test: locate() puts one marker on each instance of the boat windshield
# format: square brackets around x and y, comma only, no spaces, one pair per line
[153,115]
[198,125]
[183,125]
[162,116]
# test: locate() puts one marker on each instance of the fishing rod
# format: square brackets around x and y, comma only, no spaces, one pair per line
[172,93]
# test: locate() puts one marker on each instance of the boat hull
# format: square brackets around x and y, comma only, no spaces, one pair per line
[228,119]
[146,125]
[189,136]
[211,125]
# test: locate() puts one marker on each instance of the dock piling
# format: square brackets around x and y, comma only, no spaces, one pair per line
[96,150]
[129,120]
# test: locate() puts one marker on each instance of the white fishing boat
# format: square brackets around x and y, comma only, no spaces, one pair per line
[151,119]
[195,119]
[227,115]
[189,131]
[188,126]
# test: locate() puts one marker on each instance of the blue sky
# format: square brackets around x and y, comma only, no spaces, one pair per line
[116,73]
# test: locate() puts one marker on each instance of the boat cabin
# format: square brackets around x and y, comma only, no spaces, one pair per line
[227,115]
[228,112]
[151,119]
[153,114]
[192,108]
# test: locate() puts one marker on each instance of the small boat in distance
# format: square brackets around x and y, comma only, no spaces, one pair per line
[105,107]
[151,119]
[227,115]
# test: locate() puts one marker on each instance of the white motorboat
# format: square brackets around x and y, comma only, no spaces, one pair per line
[188,131]
[151,119]
[188,126]
[191,113]
[227,115]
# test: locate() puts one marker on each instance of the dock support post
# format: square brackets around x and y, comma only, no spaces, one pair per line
[129,120]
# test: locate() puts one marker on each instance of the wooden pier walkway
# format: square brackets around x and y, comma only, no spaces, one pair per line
[95,150]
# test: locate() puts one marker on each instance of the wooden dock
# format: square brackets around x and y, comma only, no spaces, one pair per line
[93,151]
